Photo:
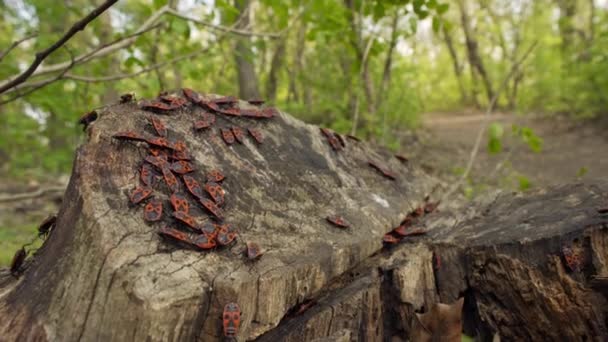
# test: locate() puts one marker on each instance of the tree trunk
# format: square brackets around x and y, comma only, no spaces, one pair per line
[455,63]
[473,51]
[248,79]
[275,66]
[105,274]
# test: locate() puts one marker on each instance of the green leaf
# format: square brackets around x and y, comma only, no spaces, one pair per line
[436,24]
[495,133]
[132,60]
[442,8]
[581,172]
[431,4]
[524,183]
[159,3]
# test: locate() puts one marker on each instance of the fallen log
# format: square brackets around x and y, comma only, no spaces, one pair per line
[104,273]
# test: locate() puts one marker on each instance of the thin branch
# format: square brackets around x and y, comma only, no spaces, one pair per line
[491,105]
[30,195]
[40,56]
[15,44]
[223,28]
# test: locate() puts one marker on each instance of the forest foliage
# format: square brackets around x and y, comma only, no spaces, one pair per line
[368,67]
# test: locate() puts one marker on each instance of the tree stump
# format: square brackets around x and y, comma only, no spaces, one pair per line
[106,274]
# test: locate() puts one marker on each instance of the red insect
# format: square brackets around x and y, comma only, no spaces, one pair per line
[124,98]
[350,136]
[181,155]
[216,192]
[437,261]
[175,234]
[203,241]
[173,100]
[140,194]
[161,142]
[253,251]
[305,305]
[573,257]
[87,119]
[47,224]
[386,173]
[179,145]
[209,229]
[231,111]
[429,207]
[331,139]
[416,232]
[17,261]
[159,126]
[170,179]
[231,319]
[156,106]
[603,210]
[390,239]
[225,235]
[129,135]
[181,167]
[269,112]
[192,95]
[153,211]
[207,121]
[186,219]
[193,186]
[212,208]
[211,105]
[227,136]
[159,152]
[159,162]
[401,231]
[338,221]
[340,139]
[418,212]
[401,158]
[146,174]
[180,203]
[238,133]
[256,102]
[226,100]
[251,113]
[256,134]
[407,221]
[215,176]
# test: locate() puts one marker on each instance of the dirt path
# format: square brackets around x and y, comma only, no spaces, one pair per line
[572,151]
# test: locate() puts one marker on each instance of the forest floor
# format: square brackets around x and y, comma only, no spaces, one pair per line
[572,151]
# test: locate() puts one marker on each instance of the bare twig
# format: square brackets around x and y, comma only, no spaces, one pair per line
[41,85]
[40,56]
[15,44]
[222,28]
[484,125]
[30,195]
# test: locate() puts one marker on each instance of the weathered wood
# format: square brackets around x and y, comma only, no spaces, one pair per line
[104,274]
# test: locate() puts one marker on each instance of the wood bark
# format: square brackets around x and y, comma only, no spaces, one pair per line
[456,64]
[247,77]
[104,274]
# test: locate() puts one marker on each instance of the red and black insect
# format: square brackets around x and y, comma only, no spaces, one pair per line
[256,134]
[225,235]
[206,121]
[407,221]
[129,135]
[350,136]
[231,111]
[269,112]
[340,139]
[146,174]
[225,100]
[175,234]
[181,167]
[128,97]
[156,106]
[418,212]
[46,225]
[401,231]
[212,208]
[161,142]
[386,173]
[253,251]
[251,113]
[181,155]
[17,261]
[238,133]
[231,319]
[203,241]
[429,207]
[216,192]
[193,186]
[87,119]
[140,194]
[186,219]
[179,145]
[338,221]
[159,126]
[331,139]
[173,100]
[170,179]
[211,105]
[305,305]
[159,152]
[153,211]
[215,176]
[227,136]
[159,162]
[180,203]
[256,102]
[192,95]
[390,239]
[573,258]
[209,229]
[401,158]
